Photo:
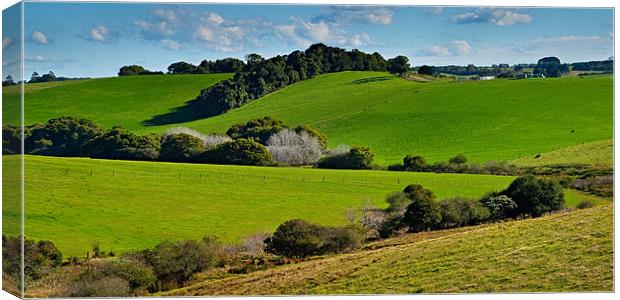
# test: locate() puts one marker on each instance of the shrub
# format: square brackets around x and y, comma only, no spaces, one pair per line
[458,159]
[238,152]
[293,148]
[108,286]
[499,206]
[296,238]
[535,196]
[313,132]
[423,212]
[427,70]
[180,147]
[139,276]
[356,158]
[11,139]
[457,212]
[118,143]
[259,129]
[178,261]
[64,136]
[343,239]
[397,202]
[392,226]
[255,244]
[209,141]
[40,257]
[414,163]
[372,219]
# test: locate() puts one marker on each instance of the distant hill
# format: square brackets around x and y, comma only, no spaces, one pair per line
[490,120]
[563,252]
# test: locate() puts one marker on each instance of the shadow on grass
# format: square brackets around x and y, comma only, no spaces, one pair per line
[191,111]
[371,79]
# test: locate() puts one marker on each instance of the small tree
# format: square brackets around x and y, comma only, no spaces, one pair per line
[259,129]
[292,148]
[296,238]
[361,157]
[398,65]
[499,206]
[414,163]
[239,152]
[535,196]
[178,261]
[423,211]
[426,70]
[397,202]
[180,147]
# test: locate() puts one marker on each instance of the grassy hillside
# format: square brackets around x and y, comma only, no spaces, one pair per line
[488,120]
[599,153]
[128,205]
[562,252]
[126,101]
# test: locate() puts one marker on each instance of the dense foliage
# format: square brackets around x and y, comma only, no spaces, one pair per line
[238,152]
[356,158]
[40,257]
[180,147]
[118,143]
[300,238]
[64,136]
[261,76]
[259,129]
[226,65]
[534,196]
[456,164]
[136,70]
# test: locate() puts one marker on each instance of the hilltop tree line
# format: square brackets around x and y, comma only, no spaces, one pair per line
[36,78]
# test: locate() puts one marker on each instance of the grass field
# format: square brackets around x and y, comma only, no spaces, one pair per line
[126,101]
[133,205]
[485,120]
[558,253]
[599,153]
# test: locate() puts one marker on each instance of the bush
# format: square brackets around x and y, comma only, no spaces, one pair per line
[356,158]
[118,143]
[108,286]
[457,212]
[392,226]
[296,238]
[423,212]
[499,206]
[255,244]
[11,140]
[343,239]
[397,202]
[458,159]
[178,261]
[238,152]
[209,141]
[180,147]
[414,163]
[64,136]
[259,129]
[40,257]
[535,196]
[426,70]
[293,148]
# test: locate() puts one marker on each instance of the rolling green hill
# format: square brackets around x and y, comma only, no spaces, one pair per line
[600,153]
[563,252]
[126,101]
[134,205]
[488,120]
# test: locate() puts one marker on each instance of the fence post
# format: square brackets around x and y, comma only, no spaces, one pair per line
[91,172]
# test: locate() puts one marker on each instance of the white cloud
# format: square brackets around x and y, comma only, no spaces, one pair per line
[175,28]
[39,38]
[497,16]
[375,15]
[36,58]
[434,10]
[99,33]
[454,48]
[7,41]
[170,44]
[303,33]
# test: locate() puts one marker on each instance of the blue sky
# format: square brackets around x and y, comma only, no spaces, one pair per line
[95,39]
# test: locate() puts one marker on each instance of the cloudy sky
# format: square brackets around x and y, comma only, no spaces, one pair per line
[95,39]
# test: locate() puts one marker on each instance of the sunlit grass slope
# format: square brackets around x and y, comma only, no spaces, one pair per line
[133,205]
[570,251]
[600,153]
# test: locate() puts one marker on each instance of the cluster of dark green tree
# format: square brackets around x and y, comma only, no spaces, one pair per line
[354,158]
[136,70]
[8,81]
[456,164]
[40,258]
[416,208]
[261,76]
[226,65]
[599,65]
[36,77]
[551,67]
[247,143]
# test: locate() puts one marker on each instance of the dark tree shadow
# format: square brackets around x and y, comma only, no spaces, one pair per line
[371,79]
[191,111]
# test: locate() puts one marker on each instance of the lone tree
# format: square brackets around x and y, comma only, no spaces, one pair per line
[551,66]
[398,65]
[426,70]
[423,212]
[414,163]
